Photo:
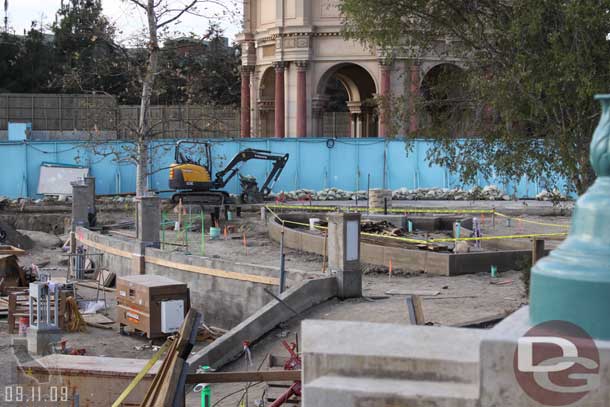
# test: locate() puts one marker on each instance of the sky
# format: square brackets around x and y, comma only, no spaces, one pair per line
[128,19]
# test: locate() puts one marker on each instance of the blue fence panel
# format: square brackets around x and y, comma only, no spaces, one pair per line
[314,164]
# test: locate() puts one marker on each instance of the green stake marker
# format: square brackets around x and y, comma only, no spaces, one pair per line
[163,220]
[202,233]
[494,271]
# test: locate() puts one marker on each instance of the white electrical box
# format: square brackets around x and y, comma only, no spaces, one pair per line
[172,316]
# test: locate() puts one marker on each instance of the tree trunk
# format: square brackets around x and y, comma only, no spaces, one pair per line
[142,168]
[147,88]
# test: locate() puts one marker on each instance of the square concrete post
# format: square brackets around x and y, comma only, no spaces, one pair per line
[91,210]
[149,221]
[80,203]
[344,253]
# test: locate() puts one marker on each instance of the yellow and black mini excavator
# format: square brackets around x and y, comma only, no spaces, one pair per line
[194,184]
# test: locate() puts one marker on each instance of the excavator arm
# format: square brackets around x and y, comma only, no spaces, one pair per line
[279,162]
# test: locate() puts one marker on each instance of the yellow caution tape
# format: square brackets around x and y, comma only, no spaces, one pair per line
[141,375]
[533,222]
[443,240]
[379,210]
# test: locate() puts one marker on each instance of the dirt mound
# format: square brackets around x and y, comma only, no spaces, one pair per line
[9,235]
[42,239]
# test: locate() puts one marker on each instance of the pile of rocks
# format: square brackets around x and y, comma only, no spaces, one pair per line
[553,196]
[489,193]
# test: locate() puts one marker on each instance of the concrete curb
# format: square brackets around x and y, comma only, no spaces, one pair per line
[230,346]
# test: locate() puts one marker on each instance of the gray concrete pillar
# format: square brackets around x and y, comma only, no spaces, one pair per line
[90,183]
[91,209]
[148,223]
[344,253]
[80,204]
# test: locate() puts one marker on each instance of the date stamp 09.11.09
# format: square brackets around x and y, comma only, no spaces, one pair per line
[36,396]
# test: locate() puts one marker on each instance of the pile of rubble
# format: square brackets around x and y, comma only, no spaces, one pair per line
[489,193]
[553,196]
[383,228]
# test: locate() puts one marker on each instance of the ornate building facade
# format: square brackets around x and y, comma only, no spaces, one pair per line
[301,78]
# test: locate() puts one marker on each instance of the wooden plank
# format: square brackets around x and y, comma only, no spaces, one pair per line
[537,250]
[214,272]
[245,377]
[11,250]
[185,267]
[423,293]
[97,319]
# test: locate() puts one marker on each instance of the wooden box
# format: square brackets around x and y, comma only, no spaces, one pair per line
[139,299]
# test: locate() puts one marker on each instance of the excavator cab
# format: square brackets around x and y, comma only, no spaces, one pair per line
[189,174]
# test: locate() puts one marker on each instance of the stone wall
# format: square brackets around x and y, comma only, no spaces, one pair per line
[225,292]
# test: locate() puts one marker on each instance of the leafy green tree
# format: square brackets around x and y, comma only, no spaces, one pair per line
[10,46]
[532,70]
[37,63]
[200,70]
[89,56]
[27,63]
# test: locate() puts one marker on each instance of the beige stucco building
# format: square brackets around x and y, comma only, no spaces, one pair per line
[301,78]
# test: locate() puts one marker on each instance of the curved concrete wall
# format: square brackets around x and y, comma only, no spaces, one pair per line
[412,261]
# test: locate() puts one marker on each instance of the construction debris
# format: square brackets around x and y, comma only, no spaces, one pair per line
[383,228]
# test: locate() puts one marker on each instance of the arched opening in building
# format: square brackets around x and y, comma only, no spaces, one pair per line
[266,104]
[443,100]
[345,105]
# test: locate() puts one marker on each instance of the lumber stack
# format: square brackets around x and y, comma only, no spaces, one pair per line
[379,197]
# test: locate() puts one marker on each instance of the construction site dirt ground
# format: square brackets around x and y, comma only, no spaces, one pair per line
[460,299]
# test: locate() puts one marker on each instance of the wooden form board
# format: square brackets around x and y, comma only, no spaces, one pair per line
[231,275]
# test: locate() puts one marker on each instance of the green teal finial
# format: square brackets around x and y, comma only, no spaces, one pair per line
[573,283]
[600,145]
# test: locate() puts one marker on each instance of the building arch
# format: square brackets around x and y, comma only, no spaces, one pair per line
[346,102]
[266,103]
[442,90]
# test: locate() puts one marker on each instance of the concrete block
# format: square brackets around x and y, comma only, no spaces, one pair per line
[80,202]
[41,340]
[344,253]
[499,386]
[367,392]
[362,349]
[300,298]
[149,220]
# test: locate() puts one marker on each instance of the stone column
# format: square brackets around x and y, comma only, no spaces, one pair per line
[317,108]
[344,253]
[280,100]
[414,85]
[384,108]
[80,205]
[302,98]
[246,129]
[149,221]
[355,110]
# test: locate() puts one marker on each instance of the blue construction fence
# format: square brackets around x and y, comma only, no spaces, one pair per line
[315,163]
